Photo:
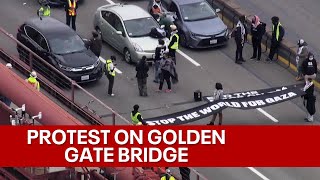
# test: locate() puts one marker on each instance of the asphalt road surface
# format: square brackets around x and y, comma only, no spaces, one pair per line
[216,65]
[299,18]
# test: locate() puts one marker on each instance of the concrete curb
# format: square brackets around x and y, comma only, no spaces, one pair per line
[230,12]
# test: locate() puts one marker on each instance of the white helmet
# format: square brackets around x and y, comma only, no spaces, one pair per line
[173,27]
[9,65]
[33,74]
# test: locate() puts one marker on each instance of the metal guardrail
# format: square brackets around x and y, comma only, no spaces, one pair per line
[56,83]
[61,87]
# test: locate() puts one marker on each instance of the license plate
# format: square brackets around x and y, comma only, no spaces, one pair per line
[213,41]
[84,78]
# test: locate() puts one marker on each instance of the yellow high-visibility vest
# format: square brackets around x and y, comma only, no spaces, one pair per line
[278,31]
[134,118]
[176,44]
[112,73]
[165,178]
[33,81]
[72,8]
[45,11]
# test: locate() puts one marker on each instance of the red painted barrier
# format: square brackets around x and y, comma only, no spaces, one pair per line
[20,92]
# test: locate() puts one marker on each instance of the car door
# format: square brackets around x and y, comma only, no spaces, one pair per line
[106,26]
[119,39]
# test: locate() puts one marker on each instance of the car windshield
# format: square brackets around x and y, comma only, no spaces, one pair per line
[197,11]
[65,44]
[140,27]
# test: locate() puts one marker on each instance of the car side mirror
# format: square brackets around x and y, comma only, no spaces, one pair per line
[218,10]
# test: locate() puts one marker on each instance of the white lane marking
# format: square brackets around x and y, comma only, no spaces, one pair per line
[259,109]
[180,52]
[188,58]
[268,115]
[104,61]
[258,173]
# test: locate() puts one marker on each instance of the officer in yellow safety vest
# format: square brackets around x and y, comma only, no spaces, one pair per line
[71,12]
[174,43]
[136,116]
[167,176]
[277,35]
[111,73]
[44,10]
[33,80]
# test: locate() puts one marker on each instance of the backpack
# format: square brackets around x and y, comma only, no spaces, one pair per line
[157,33]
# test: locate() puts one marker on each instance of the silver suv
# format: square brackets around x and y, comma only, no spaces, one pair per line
[127,29]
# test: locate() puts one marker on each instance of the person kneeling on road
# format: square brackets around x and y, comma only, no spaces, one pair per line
[309,67]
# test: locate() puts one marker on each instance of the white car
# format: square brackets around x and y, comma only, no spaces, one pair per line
[127,28]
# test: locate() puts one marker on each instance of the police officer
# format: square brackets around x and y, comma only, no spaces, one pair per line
[33,80]
[277,35]
[136,116]
[44,9]
[174,43]
[111,73]
[167,176]
[71,12]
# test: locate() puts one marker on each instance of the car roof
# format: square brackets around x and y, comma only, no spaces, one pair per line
[128,11]
[183,2]
[49,26]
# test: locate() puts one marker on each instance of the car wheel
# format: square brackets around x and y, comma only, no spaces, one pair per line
[127,56]
[183,40]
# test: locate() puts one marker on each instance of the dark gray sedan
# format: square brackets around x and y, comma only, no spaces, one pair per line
[198,23]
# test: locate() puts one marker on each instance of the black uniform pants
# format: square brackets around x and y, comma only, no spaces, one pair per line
[69,19]
[165,75]
[185,173]
[256,44]
[239,51]
[111,82]
[172,54]
[273,49]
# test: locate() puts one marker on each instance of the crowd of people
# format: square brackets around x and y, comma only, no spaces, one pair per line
[305,62]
